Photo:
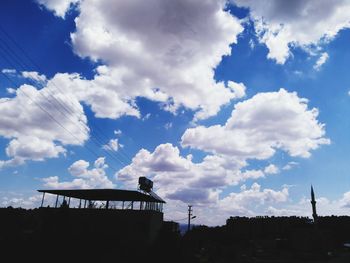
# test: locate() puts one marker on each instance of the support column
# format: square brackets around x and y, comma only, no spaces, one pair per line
[56,201]
[42,201]
[107,204]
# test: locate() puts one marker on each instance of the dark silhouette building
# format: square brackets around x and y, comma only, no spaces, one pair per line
[87,224]
[111,223]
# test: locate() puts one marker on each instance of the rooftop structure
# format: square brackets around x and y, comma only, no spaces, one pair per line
[146,200]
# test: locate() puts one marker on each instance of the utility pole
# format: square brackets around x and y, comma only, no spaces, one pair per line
[189,217]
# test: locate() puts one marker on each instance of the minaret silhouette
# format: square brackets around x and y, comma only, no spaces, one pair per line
[313,203]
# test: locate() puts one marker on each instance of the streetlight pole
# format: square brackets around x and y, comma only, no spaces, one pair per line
[189,217]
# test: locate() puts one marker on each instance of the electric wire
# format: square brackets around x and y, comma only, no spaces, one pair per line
[7,49]
[69,110]
[51,117]
[125,155]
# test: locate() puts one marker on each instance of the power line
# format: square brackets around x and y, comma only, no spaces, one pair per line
[51,117]
[95,138]
[54,84]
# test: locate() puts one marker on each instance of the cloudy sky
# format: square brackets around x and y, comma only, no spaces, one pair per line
[235,107]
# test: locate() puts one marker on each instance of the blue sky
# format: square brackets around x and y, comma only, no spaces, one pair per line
[232,107]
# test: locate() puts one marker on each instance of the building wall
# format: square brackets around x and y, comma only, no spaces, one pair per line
[118,226]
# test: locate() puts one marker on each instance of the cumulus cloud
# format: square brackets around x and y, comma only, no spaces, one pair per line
[237,88]
[179,178]
[260,125]
[112,145]
[281,24]
[42,121]
[161,50]
[256,129]
[59,7]
[9,71]
[254,174]
[85,178]
[33,75]
[289,165]
[181,181]
[117,132]
[271,169]
[325,207]
[248,197]
[321,60]
[272,211]
[98,93]
[35,126]
[21,201]
[345,200]
[168,125]
[33,148]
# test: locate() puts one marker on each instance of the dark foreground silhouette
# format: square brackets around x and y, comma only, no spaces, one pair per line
[133,236]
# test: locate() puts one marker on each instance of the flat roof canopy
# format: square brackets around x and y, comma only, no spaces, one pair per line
[106,195]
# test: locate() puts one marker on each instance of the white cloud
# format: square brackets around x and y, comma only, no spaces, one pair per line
[98,93]
[10,91]
[21,201]
[271,169]
[86,178]
[237,88]
[256,129]
[321,60]
[281,24]
[146,117]
[282,212]
[181,181]
[53,115]
[324,207]
[9,71]
[33,148]
[59,7]
[259,126]
[289,165]
[161,50]
[34,76]
[249,197]
[168,125]
[117,132]
[345,200]
[179,178]
[30,121]
[251,44]
[253,174]
[112,145]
